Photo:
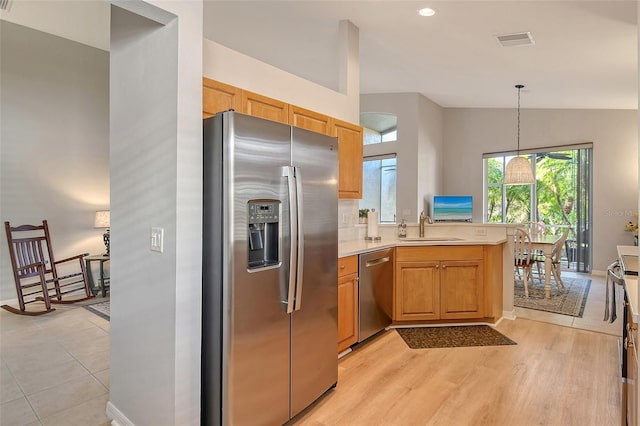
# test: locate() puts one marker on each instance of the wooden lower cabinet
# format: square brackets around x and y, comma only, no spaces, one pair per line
[417,291]
[347,302]
[461,289]
[442,283]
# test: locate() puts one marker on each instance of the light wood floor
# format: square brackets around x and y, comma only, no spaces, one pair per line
[555,375]
[54,370]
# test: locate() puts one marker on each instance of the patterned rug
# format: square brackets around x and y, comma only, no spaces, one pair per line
[101,309]
[452,337]
[570,301]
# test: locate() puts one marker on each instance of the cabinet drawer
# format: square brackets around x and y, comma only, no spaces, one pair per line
[412,254]
[347,265]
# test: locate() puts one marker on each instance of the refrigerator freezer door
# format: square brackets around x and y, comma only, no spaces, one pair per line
[314,367]
[256,353]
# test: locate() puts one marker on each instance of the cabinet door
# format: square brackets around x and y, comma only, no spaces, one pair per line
[309,120]
[217,97]
[417,291]
[264,107]
[350,159]
[461,289]
[347,311]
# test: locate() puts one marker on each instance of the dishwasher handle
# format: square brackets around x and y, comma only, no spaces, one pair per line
[375,262]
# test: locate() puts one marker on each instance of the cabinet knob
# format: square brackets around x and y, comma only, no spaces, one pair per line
[342,266]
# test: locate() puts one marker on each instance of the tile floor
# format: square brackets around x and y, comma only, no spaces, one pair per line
[593,312]
[54,369]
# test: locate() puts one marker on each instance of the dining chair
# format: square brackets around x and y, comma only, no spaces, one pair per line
[36,273]
[535,227]
[556,256]
[522,257]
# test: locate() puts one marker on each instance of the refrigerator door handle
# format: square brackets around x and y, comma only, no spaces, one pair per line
[300,256]
[289,173]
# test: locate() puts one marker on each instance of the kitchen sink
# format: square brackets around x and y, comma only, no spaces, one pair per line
[430,239]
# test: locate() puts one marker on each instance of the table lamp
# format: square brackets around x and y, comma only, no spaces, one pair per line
[102,220]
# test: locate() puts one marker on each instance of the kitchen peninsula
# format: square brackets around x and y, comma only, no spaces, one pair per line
[455,273]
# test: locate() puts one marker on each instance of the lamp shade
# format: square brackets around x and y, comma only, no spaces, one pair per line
[102,219]
[518,172]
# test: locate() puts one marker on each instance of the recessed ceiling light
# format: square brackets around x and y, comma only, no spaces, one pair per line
[427,11]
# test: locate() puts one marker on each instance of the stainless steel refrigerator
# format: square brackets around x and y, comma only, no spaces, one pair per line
[269,330]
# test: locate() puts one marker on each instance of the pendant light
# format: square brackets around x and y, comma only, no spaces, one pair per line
[518,171]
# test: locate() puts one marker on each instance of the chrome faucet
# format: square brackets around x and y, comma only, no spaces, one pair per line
[423,218]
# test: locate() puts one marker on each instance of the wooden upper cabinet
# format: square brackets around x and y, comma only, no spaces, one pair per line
[350,159]
[310,120]
[264,107]
[218,97]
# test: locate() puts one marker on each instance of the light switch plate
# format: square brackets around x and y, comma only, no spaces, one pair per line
[157,239]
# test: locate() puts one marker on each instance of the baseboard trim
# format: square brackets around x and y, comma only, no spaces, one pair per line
[117,417]
[345,352]
[510,315]
[452,324]
[13,302]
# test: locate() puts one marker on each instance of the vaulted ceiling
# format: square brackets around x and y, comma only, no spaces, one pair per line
[584,56]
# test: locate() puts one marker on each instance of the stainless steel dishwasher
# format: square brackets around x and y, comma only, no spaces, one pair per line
[375,296]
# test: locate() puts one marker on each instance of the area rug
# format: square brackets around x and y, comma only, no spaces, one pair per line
[570,301]
[101,309]
[452,337]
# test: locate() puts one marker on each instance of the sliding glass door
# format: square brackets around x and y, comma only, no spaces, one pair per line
[560,197]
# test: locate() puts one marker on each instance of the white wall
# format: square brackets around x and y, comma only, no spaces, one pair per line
[419,148]
[430,152]
[228,66]
[156,173]
[54,140]
[468,133]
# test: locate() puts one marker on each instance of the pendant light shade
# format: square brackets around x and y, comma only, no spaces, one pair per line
[518,171]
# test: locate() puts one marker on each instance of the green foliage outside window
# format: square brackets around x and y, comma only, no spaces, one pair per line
[554,197]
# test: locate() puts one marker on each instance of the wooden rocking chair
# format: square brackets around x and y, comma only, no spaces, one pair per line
[35,271]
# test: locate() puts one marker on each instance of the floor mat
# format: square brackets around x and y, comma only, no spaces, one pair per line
[452,337]
[101,309]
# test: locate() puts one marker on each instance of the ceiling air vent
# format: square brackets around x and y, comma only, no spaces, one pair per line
[517,39]
[5,4]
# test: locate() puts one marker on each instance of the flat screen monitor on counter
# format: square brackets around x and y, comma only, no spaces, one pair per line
[452,208]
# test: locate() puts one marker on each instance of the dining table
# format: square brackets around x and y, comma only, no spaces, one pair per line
[545,244]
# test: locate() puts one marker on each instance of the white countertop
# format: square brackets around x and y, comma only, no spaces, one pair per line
[349,248]
[631,281]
